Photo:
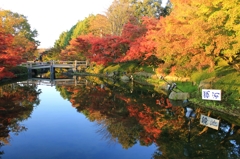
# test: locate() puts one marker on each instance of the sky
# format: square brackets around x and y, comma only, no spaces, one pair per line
[51,17]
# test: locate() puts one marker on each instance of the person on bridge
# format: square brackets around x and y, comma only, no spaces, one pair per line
[39,58]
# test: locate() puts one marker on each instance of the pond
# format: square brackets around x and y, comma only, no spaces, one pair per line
[90,117]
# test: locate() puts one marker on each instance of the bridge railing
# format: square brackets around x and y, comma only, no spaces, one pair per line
[75,63]
[30,64]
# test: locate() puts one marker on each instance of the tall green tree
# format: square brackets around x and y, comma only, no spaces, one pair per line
[82,27]
[64,38]
[59,43]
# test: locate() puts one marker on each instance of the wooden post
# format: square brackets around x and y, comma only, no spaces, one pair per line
[76,65]
[75,80]
[86,63]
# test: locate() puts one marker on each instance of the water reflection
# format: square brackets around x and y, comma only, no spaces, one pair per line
[131,116]
[16,105]
[128,113]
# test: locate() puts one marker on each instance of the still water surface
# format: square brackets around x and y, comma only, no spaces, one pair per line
[107,121]
[56,130]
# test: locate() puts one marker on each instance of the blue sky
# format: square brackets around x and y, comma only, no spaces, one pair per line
[51,17]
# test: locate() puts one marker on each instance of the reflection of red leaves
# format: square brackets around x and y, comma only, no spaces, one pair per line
[147,118]
[132,111]
[126,99]
[169,104]
[161,101]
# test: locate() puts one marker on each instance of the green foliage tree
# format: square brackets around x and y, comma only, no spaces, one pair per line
[167,9]
[64,38]
[60,42]
[82,27]
[150,8]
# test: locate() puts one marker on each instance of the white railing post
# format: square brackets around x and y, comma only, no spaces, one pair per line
[75,65]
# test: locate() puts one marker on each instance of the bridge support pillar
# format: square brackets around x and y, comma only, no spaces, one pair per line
[29,67]
[52,72]
[29,73]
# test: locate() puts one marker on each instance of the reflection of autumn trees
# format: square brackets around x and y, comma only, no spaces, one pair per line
[127,117]
[134,117]
[16,105]
[197,141]
[222,144]
[99,105]
[125,131]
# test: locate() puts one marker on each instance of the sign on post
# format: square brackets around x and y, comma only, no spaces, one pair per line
[209,122]
[211,94]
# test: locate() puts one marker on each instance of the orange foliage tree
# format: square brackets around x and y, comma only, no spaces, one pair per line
[197,33]
[99,26]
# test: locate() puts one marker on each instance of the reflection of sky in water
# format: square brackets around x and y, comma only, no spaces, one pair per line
[236,148]
[57,130]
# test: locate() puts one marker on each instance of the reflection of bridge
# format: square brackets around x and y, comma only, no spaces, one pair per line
[54,82]
[51,65]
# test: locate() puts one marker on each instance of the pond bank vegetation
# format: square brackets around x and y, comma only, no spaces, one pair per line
[222,77]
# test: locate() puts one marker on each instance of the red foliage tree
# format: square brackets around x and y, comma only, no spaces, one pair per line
[101,50]
[9,55]
[141,46]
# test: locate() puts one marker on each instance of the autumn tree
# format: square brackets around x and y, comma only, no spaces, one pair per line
[71,52]
[17,41]
[141,47]
[52,53]
[196,34]
[108,49]
[100,26]
[9,55]
[118,15]
[24,37]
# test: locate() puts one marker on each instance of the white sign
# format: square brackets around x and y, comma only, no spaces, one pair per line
[210,122]
[211,94]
